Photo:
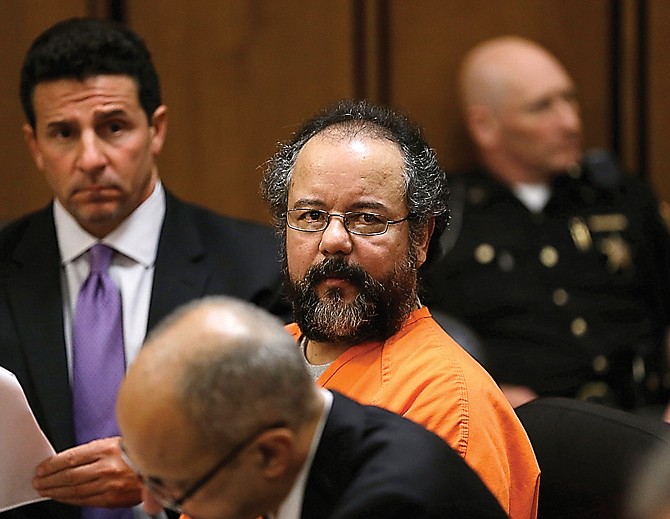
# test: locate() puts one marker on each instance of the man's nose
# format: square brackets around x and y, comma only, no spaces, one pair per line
[335,239]
[91,155]
[568,112]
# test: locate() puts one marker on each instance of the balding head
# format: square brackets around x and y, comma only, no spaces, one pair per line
[220,379]
[495,68]
[203,357]
[520,109]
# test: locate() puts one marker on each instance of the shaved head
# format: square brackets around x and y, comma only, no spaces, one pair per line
[520,108]
[495,68]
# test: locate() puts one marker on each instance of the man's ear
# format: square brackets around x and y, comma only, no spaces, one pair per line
[424,242]
[158,127]
[31,141]
[482,125]
[277,451]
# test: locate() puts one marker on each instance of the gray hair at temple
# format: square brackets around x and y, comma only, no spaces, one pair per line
[239,370]
[426,190]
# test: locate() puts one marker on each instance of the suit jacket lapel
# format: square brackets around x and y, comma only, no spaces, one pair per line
[179,275]
[39,286]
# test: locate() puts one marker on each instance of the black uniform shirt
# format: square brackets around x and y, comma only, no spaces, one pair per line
[575,293]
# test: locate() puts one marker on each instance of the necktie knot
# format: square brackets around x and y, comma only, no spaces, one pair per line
[100,256]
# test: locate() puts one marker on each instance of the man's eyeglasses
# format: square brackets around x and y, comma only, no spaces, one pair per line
[363,224]
[166,498]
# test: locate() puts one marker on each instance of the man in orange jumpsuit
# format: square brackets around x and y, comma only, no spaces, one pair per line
[360,201]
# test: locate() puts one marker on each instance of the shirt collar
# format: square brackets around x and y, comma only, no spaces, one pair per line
[136,237]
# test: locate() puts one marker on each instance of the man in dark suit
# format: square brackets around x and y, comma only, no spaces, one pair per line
[95,125]
[236,428]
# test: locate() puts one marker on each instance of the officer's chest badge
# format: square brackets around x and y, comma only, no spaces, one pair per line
[617,250]
[611,244]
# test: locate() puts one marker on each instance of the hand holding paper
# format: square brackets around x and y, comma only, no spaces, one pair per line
[23,445]
[92,474]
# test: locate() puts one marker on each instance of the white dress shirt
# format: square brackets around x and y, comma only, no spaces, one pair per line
[132,268]
[533,196]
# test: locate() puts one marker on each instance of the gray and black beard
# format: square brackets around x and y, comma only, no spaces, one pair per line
[377,312]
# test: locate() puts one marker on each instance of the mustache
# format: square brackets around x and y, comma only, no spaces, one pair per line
[336,267]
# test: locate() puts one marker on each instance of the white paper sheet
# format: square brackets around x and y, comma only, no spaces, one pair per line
[22,445]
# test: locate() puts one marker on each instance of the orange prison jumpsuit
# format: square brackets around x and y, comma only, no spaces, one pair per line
[422,374]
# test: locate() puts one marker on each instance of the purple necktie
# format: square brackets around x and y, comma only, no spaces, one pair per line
[98,360]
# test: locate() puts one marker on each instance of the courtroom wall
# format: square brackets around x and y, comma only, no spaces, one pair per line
[240,75]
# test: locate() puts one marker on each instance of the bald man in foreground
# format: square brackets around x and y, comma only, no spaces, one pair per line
[220,419]
[557,260]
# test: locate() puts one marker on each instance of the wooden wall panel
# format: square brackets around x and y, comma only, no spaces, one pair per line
[429,38]
[658,130]
[23,188]
[238,76]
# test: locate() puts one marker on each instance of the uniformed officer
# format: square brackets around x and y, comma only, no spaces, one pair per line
[557,260]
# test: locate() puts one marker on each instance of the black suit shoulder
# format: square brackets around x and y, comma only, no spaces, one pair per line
[203,253]
[373,463]
[12,235]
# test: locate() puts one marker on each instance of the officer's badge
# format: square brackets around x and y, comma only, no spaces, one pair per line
[617,250]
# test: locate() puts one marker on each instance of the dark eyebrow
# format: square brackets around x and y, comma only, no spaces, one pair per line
[308,202]
[103,116]
[368,206]
[59,124]
[357,207]
[98,117]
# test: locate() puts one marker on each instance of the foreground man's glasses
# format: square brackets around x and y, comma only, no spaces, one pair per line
[166,498]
